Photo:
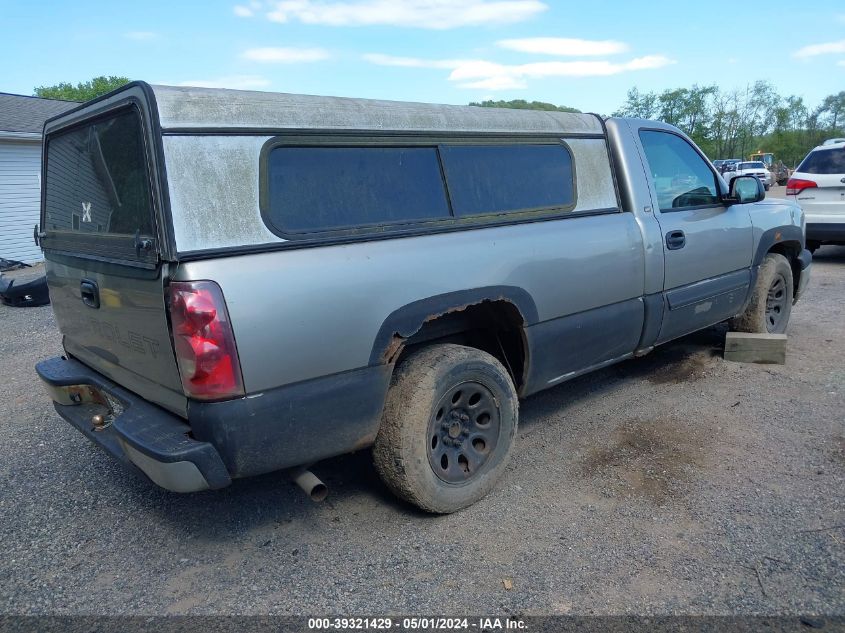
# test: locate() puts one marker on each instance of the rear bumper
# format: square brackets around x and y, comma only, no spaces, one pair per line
[263,432]
[137,433]
[830,232]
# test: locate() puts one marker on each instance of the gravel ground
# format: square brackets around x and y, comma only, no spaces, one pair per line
[677,483]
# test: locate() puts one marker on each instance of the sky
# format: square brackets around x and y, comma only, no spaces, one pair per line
[585,55]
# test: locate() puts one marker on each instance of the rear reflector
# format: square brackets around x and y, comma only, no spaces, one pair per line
[203,341]
[794,186]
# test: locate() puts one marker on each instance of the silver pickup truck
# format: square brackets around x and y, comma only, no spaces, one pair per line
[247,282]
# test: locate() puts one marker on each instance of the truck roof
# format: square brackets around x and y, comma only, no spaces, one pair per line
[215,108]
[831,144]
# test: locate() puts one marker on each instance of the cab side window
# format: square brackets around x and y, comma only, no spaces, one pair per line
[681,176]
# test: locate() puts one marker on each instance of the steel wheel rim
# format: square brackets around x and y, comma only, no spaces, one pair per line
[776,303]
[463,432]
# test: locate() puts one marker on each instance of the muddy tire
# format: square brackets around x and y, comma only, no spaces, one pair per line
[448,427]
[771,299]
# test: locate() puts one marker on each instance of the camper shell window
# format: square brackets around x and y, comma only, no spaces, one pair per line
[97,194]
[360,189]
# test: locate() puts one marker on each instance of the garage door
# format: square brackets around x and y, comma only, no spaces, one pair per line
[20,199]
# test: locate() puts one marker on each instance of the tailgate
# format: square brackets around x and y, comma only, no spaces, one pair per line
[827,199]
[100,233]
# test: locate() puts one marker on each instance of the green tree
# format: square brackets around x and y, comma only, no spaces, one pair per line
[690,110]
[725,124]
[736,123]
[832,112]
[83,91]
[686,108]
[522,104]
[639,105]
[790,139]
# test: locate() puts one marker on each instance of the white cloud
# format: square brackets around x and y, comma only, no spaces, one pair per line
[820,49]
[235,82]
[564,46]
[285,55]
[479,69]
[647,62]
[412,62]
[426,14]
[486,75]
[140,36]
[494,76]
[242,12]
[501,82]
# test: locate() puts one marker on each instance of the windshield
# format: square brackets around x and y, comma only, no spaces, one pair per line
[751,166]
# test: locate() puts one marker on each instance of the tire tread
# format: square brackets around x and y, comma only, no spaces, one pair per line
[753,319]
[408,399]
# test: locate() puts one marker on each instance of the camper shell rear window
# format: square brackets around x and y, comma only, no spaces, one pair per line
[312,190]
[97,194]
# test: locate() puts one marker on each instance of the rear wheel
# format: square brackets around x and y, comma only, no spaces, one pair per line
[771,299]
[449,423]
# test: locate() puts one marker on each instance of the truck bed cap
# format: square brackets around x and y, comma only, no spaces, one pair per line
[188,108]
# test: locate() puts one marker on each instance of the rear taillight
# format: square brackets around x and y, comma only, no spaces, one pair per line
[203,341]
[794,186]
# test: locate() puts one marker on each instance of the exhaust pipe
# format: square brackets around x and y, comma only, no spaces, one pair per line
[311,484]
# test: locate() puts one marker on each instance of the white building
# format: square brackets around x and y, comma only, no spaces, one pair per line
[21,123]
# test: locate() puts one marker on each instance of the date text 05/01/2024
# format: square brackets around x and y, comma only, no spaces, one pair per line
[416,623]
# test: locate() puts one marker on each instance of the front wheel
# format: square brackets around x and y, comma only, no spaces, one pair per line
[448,427]
[771,298]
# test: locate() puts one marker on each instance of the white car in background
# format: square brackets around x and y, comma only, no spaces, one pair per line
[818,186]
[751,168]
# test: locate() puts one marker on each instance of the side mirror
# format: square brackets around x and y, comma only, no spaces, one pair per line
[747,189]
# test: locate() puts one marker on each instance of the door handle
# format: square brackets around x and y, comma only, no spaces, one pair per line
[675,240]
[90,293]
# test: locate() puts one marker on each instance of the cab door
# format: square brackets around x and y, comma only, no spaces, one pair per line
[707,243]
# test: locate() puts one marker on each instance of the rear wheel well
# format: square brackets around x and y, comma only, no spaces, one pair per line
[495,327]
